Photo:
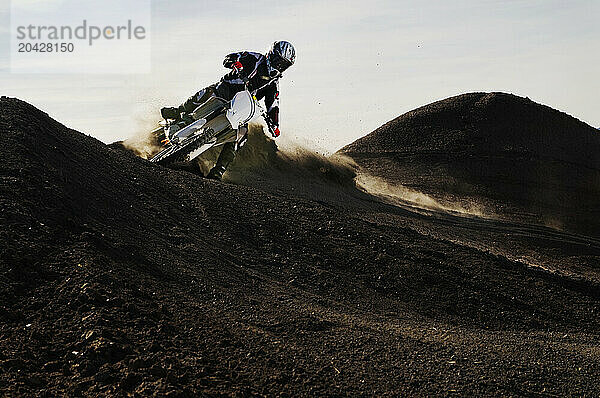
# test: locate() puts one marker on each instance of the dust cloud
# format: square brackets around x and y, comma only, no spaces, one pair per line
[396,193]
[143,142]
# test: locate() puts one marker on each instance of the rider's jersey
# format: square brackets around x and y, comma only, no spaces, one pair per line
[263,80]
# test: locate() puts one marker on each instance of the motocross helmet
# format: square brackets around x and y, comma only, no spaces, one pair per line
[281,55]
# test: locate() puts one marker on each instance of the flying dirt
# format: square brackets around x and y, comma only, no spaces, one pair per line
[300,274]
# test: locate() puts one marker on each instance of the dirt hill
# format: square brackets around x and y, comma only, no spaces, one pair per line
[522,159]
[121,277]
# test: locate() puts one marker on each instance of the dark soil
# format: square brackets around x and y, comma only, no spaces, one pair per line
[516,156]
[119,277]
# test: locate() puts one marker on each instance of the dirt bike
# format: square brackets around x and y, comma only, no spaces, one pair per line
[215,122]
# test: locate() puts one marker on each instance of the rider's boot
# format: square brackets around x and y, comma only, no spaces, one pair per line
[225,158]
[183,111]
[170,112]
[181,117]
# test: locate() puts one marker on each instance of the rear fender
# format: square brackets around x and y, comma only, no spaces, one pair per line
[187,131]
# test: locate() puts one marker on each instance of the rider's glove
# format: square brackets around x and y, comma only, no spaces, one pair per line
[276,132]
[238,65]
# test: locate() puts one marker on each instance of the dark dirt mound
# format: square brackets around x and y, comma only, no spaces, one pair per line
[119,277]
[523,156]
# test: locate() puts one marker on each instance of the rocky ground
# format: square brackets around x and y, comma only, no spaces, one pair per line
[119,277]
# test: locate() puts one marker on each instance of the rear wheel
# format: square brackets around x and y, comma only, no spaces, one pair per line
[179,153]
[216,126]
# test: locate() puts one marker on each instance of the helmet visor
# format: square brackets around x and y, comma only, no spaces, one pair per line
[279,62]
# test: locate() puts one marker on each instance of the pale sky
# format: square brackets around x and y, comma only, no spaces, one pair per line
[359,64]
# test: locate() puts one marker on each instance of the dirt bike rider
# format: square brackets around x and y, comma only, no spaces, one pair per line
[262,72]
